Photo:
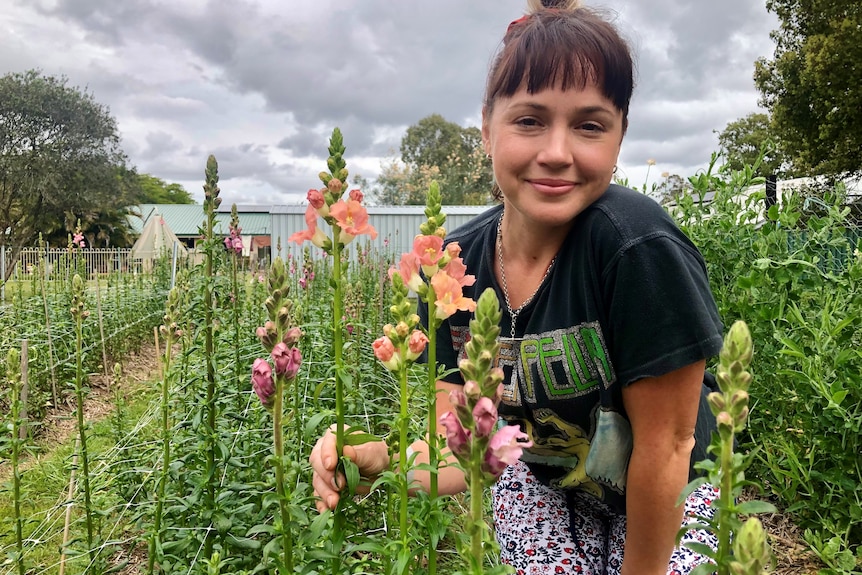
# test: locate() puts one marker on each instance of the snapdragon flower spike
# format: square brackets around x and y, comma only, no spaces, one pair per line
[433,226]
[211,190]
[401,344]
[730,405]
[470,429]
[277,335]
[347,218]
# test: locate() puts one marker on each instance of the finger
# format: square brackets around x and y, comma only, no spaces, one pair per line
[328,452]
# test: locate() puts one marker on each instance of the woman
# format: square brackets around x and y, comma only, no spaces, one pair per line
[608,319]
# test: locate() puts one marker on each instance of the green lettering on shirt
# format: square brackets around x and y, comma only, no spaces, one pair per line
[529,352]
[580,376]
[596,351]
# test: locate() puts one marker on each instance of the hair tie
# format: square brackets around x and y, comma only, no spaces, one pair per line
[514,23]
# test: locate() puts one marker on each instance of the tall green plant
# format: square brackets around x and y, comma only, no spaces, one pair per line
[13,377]
[211,204]
[79,314]
[280,337]
[347,218]
[170,332]
[742,547]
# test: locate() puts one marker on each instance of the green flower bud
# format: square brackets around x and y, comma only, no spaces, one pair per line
[751,547]
[739,398]
[716,402]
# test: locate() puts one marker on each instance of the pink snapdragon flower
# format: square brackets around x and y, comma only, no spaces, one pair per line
[416,344]
[317,200]
[262,383]
[485,416]
[504,449]
[385,351]
[457,438]
[408,268]
[287,360]
[313,233]
[458,271]
[429,250]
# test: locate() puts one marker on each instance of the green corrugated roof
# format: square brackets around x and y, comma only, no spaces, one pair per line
[185,220]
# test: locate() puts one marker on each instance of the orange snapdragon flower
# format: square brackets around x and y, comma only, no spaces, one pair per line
[352,218]
[313,233]
[450,297]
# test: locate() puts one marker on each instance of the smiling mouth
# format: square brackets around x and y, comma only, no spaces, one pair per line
[552,186]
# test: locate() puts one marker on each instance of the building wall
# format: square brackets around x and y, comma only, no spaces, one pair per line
[396,227]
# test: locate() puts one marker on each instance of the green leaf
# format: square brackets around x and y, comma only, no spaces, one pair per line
[755,506]
[260,528]
[359,438]
[351,473]
[704,569]
[243,542]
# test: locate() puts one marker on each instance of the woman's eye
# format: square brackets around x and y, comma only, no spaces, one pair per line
[592,127]
[527,122]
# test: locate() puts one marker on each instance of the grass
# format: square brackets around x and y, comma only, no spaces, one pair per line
[45,484]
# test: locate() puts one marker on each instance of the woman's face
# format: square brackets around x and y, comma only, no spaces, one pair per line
[553,151]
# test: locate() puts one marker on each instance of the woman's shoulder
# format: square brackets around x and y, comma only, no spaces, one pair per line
[467,233]
[632,215]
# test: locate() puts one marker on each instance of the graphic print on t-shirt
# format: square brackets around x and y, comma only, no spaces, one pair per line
[552,388]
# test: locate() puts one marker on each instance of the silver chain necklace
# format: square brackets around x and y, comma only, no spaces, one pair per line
[513,313]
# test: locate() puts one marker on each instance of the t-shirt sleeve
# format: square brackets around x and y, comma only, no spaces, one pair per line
[660,309]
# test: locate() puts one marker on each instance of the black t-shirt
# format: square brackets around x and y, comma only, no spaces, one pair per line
[627,298]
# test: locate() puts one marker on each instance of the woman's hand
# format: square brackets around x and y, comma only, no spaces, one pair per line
[371,458]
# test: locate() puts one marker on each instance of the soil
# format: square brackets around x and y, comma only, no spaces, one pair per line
[792,555]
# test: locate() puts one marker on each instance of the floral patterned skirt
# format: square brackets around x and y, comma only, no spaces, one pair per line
[538,535]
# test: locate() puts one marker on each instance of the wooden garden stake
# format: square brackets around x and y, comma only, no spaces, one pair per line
[42,273]
[102,330]
[69,498]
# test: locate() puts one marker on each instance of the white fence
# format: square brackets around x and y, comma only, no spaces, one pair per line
[58,260]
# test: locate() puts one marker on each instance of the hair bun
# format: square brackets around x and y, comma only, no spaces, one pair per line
[534,6]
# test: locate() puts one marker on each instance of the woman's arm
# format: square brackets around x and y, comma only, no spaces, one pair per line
[373,457]
[663,412]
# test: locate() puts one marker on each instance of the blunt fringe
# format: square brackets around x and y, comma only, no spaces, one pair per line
[571,47]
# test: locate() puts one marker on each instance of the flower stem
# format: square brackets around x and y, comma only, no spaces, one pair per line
[403,464]
[278,443]
[337,343]
[166,455]
[15,377]
[476,518]
[726,496]
[432,420]
[85,463]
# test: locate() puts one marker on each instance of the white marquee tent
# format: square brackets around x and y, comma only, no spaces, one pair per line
[156,239]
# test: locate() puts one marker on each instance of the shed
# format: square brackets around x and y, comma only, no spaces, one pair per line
[396,227]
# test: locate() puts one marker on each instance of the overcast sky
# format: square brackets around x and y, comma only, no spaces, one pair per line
[262,83]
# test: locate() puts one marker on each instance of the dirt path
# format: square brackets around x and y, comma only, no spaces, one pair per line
[60,424]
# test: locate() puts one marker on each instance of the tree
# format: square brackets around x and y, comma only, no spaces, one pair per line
[60,159]
[153,190]
[811,86]
[744,140]
[671,188]
[435,149]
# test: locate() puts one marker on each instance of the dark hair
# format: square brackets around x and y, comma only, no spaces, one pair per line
[571,45]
